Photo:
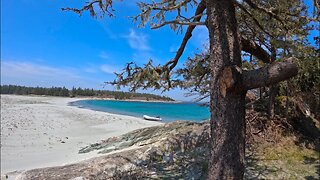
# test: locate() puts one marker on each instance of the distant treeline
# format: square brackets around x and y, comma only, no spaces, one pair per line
[62,91]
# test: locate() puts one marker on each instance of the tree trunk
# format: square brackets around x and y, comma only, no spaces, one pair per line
[273,90]
[287,99]
[227,98]
[261,92]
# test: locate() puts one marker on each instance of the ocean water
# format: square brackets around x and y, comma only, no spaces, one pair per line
[167,111]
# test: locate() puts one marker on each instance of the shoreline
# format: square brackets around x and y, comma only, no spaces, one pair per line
[165,118]
[73,103]
[42,131]
[79,98]
[126,100]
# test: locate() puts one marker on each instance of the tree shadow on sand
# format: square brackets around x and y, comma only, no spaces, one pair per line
[179,150]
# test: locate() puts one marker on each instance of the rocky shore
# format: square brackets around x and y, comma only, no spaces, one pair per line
[177,150]
[94,145]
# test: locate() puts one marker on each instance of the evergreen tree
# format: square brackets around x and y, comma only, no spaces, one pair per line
[58,91]
[228,83]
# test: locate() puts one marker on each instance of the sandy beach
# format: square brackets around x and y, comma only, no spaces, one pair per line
[46,131]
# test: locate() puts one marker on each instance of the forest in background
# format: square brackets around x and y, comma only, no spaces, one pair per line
[75,92]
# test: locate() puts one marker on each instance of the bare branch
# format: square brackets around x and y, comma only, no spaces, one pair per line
[159,76]
[155,6]
[172,63]
[253,18]
[270,13]
[104,5]
[270,74]
[254,49]
[317,8]
[201,7]
[162,7]
[178,22]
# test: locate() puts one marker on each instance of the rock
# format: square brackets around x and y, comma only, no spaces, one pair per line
[154,152]
[4,177]
[78,178]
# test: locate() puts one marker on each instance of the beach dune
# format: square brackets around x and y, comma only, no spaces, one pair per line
[45,131]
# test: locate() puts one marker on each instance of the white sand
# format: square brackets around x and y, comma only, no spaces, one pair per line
[45,131]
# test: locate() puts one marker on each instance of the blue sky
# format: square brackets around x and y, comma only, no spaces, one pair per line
[44,46]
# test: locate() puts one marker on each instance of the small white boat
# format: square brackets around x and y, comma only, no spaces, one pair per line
[150,118]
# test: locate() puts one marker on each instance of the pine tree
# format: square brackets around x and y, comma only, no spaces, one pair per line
[227,82]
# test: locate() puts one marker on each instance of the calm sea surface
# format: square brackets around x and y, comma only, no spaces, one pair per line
[167,111]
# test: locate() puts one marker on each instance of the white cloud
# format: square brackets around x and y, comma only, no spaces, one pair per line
[104,55]
[17,69]
[109,69]
[137,41]
[110,33]
[90,70]
[33,74]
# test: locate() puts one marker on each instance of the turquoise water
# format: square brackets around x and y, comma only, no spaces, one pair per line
[167,111]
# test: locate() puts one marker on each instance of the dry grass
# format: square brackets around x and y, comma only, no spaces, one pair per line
[287,160]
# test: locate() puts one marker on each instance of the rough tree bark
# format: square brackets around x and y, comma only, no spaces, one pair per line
[227,101]
[273,89]
[229,85]
[270,74]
